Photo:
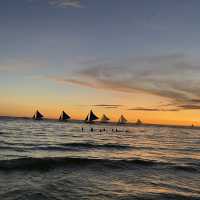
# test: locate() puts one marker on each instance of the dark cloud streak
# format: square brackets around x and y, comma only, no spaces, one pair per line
[172,76]
[189,107]
[152,109]
[107,105]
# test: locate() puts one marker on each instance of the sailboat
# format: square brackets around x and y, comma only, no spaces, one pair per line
[104,119]
[91,117]
[64,116]
[37,115]
[122,120]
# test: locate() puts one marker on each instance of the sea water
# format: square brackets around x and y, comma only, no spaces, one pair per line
[52,160]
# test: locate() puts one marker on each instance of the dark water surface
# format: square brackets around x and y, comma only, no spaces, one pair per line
[53,160]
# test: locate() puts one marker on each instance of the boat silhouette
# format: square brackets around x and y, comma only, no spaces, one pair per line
[37,115]
[91,117]
[138,122]
[104,119]
[122,120]
[64,116]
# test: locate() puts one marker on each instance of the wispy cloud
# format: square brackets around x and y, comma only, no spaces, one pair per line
[174,76]
[153,109]
[107,106]
[65,3]
[21,65]
[189,107]
[62,3]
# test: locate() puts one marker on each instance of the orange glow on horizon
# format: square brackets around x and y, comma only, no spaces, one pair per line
[80,112]
[51,106]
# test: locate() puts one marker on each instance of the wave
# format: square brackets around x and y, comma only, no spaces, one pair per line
[95,145]
[65,146]
[188,168]
[30,163]
[163,196]
[174,196]
[7,148]
[51,162]
[82,146]
[17,143]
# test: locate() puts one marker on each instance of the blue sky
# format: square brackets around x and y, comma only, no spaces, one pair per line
[98,49]
[98,28]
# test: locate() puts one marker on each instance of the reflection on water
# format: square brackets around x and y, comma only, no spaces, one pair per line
[53,160]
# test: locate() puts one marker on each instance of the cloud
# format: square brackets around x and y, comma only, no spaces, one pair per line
[62,3]
[174,77]
[109,106]
[21,65]
[65,3]
[195,100]
[106,105]
[190,107]
[153,109]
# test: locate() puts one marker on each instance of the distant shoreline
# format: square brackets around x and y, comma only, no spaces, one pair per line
[130,124]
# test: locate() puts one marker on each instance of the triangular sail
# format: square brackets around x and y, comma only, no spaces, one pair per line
[91,117]
[104,118]
[37,115]
[64,116]
[122,120]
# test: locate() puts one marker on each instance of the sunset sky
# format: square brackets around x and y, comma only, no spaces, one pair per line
[139,58]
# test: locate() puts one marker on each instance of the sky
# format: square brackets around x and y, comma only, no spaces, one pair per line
[139,58]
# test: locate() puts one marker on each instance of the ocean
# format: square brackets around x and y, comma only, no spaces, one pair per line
[52,160]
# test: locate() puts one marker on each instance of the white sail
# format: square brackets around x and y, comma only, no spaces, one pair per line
[104,118]
[122,120]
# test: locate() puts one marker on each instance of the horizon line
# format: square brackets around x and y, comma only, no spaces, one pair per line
[110,122]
